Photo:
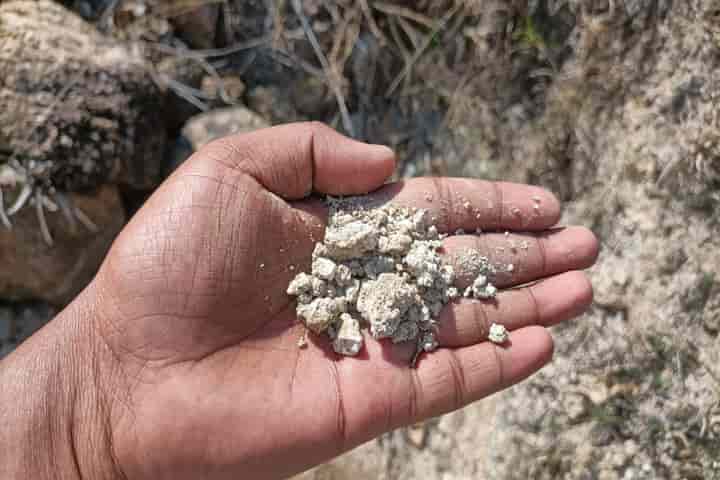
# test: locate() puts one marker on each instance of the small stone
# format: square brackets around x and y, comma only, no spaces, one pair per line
[429,342]
[302,283]
[397,244]
[350,240]
[205,127]
[488,292]
[319,287]
[343,275]
[348,340]
[320,313]
[324,268]
[498,333]
[302,341]
[383,303]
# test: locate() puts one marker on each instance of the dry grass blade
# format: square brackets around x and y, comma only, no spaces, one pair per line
[291,61]
[344,42]
[418,52]
[390,9]
[278,21]
[404,52]
[330,74]
[412,33]
[187,94]
[367,12]
[211,52]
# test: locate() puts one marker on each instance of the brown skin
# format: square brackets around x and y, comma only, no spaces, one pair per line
[180,360]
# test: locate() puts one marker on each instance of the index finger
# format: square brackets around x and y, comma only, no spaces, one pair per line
[470,204]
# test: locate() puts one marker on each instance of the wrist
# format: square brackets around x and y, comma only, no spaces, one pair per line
[53,408]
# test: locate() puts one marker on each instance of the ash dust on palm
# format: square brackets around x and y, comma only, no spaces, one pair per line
[381,268]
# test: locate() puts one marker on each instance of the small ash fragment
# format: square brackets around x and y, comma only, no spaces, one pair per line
[379,268]
[498,333]
[471,262]
[348,340]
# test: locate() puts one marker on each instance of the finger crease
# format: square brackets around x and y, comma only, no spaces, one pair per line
[446,204]
[543,256]
[536,306]
[499,200]
[311,156]
[500,369]
[415,393]
[459,385]
[341,420]
[482,321]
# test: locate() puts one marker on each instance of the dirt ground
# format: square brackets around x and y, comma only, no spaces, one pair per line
[612,104]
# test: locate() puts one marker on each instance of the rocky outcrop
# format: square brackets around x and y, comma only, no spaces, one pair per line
[80,113]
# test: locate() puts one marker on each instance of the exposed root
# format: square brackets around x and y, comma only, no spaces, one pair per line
[73,214]
[66,208]
[40,210]
[21,200]
[3,214]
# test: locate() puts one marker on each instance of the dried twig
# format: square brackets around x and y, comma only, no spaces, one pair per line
[331,75]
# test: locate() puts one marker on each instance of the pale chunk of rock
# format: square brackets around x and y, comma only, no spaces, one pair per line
[350,240]
[487,292]
[383,303]
[343,275]
[302,283]
[424,262]
[481,288]
[498,333]
[324,268]
[348,339]
[396,244]
[320,313]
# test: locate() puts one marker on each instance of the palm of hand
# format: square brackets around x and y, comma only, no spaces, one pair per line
[211,382]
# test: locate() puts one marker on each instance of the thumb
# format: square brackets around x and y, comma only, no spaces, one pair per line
[296,159]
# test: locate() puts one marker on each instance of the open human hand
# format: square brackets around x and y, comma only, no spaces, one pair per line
[195,367]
